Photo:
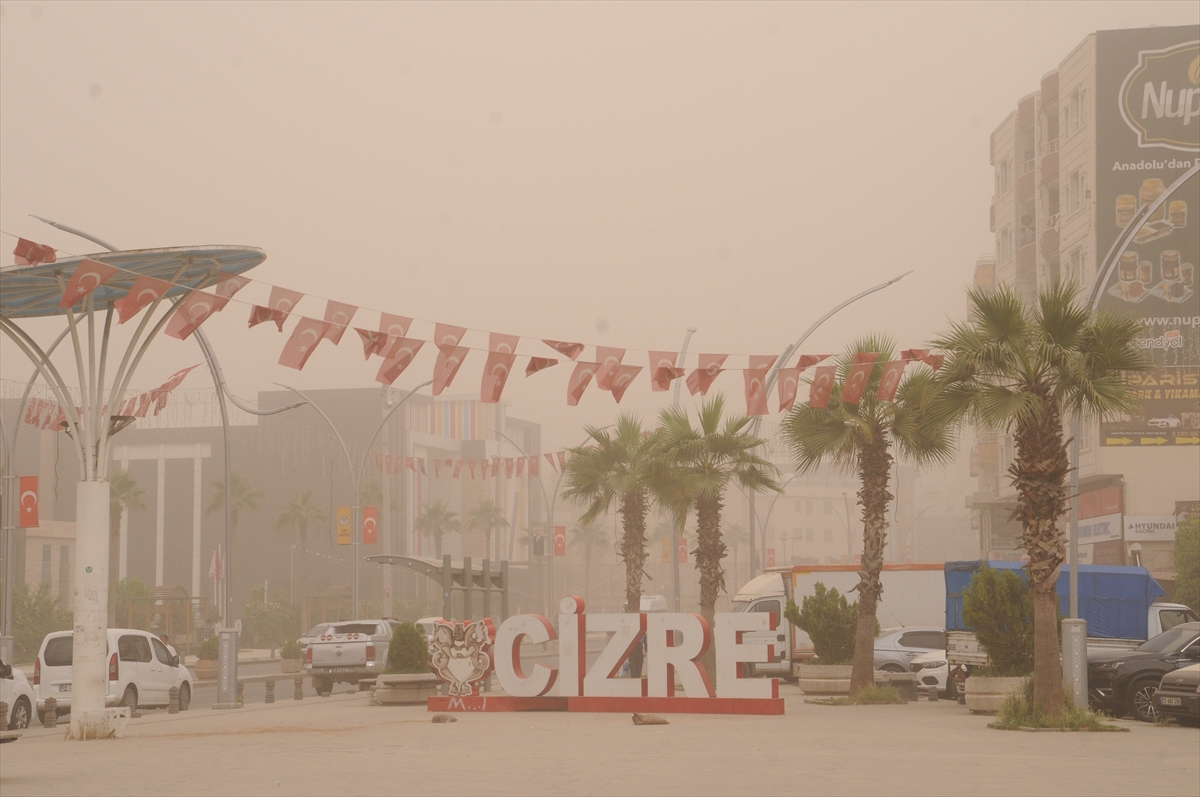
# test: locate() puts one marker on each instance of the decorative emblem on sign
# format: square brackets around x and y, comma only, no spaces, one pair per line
[460,654]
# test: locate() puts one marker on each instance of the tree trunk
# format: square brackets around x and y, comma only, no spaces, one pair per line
[304,614]
[114,563]
[710,550]
[874,465]
[1048,697]
[633,552]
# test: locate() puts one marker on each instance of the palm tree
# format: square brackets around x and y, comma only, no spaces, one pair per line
[860,437]
[245,498]
[1021,368]
[123,494]
[486,517]
[298,513]
[614,468]
[695,466]
[435,520]
[590,536]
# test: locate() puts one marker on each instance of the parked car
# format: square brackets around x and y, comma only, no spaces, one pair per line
[1178,695]
[895,648]
[18,694]
[1125,681]
[427,624]
[931,669]
[313,633]
[348,652]
[141,671]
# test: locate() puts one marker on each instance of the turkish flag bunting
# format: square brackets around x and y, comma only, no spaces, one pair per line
[756,391]
[505,344]
[31,411]
[229,284]
[520,467]
[609,359]
[483,468]
[578,383]
[437,469]
[89,275]
[28,503]
[471,464]
[789,383]
[663,370]
[447,336]
[562,460]
[538,363]
[762,362]
[807,360]
[176,379]
[303,342]
[28,253]
[570,350]
[934,361]
[421,466]
[399,356]
[550,459]
[622,378]
[143,291]
[822,386]
[700,380]
[143,406]
[495,375]
[283,300]
[261,315]
[338,315]
[379,462]
[534,467]
[394,325]
[411,464]
[373,342]
[856,381]
[449,360]
[495,466]
[889,380]
[457,467]
[914,354]
[865,357]
[370,527]
[192,312]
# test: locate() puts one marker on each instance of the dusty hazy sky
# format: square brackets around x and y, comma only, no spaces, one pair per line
[607,173]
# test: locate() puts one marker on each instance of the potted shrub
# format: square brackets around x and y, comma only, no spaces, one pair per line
[830,622]
[289,656]
[998,607]
[408,679]
[206,659]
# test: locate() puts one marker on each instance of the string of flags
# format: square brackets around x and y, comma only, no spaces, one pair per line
[48,415]
[485,468]
[396,348]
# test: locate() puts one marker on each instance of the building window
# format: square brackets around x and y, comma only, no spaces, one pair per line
[828,535]
[47,561]
[64,570]
[1075,274]
[1076,186]
[1075,111]
[1004,177]
[808,506]
[1006,244]
[799,508]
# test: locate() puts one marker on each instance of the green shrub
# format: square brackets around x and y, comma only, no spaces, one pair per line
[408,651]
[998,606]
[290,649]
[1187,565]
[830,622]
[1017,711]
[35,614]
[269,623]
[208,649]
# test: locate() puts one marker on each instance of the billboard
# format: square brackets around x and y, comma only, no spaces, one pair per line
[1147,136]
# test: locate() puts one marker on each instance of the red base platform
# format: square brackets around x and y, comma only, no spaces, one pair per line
[657,705]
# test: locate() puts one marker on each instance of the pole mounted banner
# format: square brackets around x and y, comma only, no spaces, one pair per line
[27,502]
[345,533]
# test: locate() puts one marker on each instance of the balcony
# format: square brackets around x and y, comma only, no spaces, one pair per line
[1050,237]
[1050,89]
[1027,256]
[1025,112]
[1050,161]
[1025,186]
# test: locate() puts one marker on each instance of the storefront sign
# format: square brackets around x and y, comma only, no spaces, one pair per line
[1100,529]
[1150,528]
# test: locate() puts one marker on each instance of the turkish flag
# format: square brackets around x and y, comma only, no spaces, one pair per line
[370,528]
[394,325]
[29,253]
[421,466]
[88,275]
[176,379]
[856,381]
[663,370]
[622,378]
[449,360]
[338,315]
[143,407]
[399,356]
[143,291]
[437,469]
[505,344]
[229,284]
[562,460]
[457,467]
[889,380]
[495,375]
[822,386]
[789,383]
[495,466]
[756,391]
[283,301]
[914,354]
[580,377]
[260,315]
[700,380]
[934,361]
[534,467]
[483,468]
[560,540]
[681,545]
[570,350]
[550,459]
[762,362]
[303,342]
[192,312]
[447,336]
[520,467]
[411,464]
[471,465]
[865,357]
[807,360]
[538,363]
[609,359]
[32,411]
[28,502]
[373,342]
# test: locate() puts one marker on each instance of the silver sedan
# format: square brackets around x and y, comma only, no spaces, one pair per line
[895,648]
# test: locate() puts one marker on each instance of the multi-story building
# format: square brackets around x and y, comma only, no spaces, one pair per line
[1105,134]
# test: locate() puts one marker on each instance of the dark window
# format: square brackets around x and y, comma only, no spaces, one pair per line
[1177,638]
[161,652]
[1173,617]
[355,628]
[934,640]
[133,648]
[59,651]
[769,606]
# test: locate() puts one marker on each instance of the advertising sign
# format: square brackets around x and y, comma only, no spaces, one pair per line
[345,534]
[1149,528]
[1100,529]
[1147,136]
[1108,553]
[1186,511]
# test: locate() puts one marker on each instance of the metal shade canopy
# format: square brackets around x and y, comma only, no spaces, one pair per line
[33,291]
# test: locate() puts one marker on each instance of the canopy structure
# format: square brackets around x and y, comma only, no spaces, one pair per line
[101,377]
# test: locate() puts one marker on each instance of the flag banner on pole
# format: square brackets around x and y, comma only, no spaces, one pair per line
[399,356]
[889,380]
[338,315]
[192,312]
[622,378]
[28,253]
[539,363]
[345,532]
[370,525]
[307,333]
[560,540]
[27,502]
[143,292]
[229,284]
[578,383]
[700,380]
[395,326]
[681,547]
[663,370]
[609,359]
[822,386]
[89,275]
[789,383]
[568,350]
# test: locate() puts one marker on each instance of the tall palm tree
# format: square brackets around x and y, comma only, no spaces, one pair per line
[589,536]
[298,513]
[695,467]
[486,517]
[435,520]
[1022,368]
[124,494]
[245,499]
[859,437]
[614,469]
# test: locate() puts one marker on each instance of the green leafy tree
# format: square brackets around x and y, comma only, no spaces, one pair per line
[128,589]
[435,521]
[298,513]
[36,612]
[487,517]
[245,499]
[269,622]
[830,622]
[1187,564]
[1023,368]
[408,651]
[124,494]
[590,537]
[998,607]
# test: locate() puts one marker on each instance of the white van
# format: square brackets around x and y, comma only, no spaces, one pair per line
[141,671]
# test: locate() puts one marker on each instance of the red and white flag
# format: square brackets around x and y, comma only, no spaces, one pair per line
[808,360]
[859,376]
[539,363]
[756,383]
[471,465]
[176,379]
[445,335]
[214,566]
[421,466]
[373,342]
[495,466]
[89,275]
[437,469]
[32,415]
[399,356]
[457,467]
[28,253]
[143,407]
[279,306]
[495,376]
[889,380]
[338,315]
[307,333]
[822,386]
[534,467]
[449,360]
[143,292]
[370,527]
[483,468]
[550,459]
[394,325]
[411,463]
[569,350]
[622,378]
[261,315]
[580,377]
[663,370]
[609,359]
[700,380]
[520,467]
[562,460]
[229,284]
[28,502]
[789,383]
[192,312]
[505,344]
[914,354]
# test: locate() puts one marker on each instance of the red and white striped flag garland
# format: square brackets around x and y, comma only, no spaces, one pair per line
[501,356]
[193,311]
[609,359]
[144,291]
[307,333]
[538,364]
[89,275]
[700,380]
[580,377]
[28,253]
[889,380]
[338,314]
[756,383]
[822,386]
[862,365]
[622,378]
[663,370]
[568,350]
[398,357]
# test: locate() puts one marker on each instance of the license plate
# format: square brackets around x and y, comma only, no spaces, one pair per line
[1170,701]
[342,669]
[64,687]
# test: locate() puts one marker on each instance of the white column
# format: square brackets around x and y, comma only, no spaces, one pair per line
[90,671]
[197,485]
[123,568]
[159,532]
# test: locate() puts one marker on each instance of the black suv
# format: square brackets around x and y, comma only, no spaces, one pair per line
[1124,682]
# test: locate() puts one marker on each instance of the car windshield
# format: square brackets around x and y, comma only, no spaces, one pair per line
[739,606]
[355,628]
[1171,640]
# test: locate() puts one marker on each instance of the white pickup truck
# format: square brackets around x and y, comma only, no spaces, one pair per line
[348,652]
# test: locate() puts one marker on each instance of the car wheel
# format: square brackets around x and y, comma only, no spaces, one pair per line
[1141,700]
[892,667]
[129,699]
[18,718]
[321,685]
[185,697]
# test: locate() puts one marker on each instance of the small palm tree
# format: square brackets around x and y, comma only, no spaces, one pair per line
[1022,368]
[124,494]
[486,517]
[435,520]
[298,513]
[245,499]
[589,536]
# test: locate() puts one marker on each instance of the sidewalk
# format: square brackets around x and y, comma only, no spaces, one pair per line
[343,745]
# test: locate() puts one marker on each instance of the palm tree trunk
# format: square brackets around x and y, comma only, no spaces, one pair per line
[710,550]
[304,615]
[114,563]
[875,464]
[633,552]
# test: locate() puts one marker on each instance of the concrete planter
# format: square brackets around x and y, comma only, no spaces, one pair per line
[289,665]
[405,689]
[984,695]
[206,670]
[824,679]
